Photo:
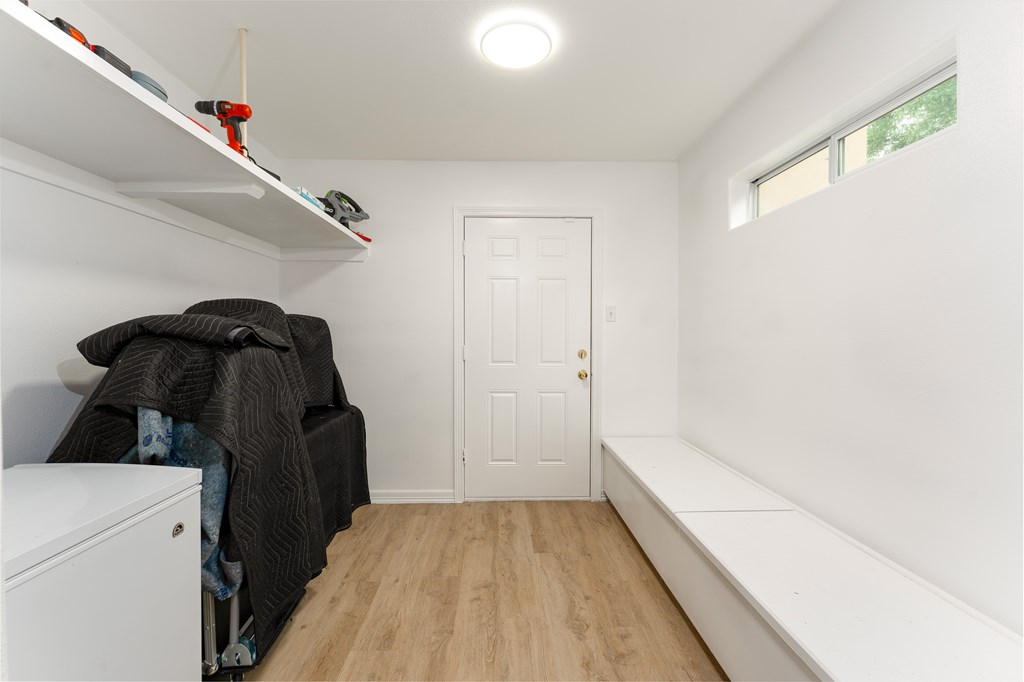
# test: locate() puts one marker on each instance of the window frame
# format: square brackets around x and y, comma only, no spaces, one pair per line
[918,87]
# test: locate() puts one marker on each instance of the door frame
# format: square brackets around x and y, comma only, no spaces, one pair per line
[595,215]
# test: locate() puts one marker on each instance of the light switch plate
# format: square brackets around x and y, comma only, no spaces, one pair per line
[609,314]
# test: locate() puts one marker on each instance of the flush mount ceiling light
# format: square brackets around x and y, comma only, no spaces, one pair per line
[516,46]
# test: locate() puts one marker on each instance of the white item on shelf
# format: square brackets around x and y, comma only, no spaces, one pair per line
[308,196]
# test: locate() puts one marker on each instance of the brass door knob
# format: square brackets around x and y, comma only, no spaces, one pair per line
[583,374]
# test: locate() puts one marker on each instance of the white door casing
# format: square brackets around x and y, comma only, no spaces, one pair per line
[527,317]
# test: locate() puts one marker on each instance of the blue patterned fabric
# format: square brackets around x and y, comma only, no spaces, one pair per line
[162,441]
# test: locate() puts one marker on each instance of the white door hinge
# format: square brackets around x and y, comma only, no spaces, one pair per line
[463,247]
[463,353]
[463,456]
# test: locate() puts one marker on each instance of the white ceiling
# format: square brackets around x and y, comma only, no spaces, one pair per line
[404,79]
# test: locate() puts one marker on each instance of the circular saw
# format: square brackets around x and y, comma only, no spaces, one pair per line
[345,210]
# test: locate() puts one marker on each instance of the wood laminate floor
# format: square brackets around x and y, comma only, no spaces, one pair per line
[488,591]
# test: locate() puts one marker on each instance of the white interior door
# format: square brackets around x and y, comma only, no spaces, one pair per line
[527,357]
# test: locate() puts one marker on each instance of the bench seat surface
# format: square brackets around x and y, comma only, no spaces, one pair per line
[845,612]
[682,479]
[854,616]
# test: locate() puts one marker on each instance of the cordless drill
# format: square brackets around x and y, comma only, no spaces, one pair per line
[231,116]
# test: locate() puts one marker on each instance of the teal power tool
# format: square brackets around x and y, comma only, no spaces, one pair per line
[345,210]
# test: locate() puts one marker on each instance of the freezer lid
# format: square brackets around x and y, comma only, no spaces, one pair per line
[49,508]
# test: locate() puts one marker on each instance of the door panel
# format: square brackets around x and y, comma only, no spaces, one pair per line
[503,429]
[553,312]
[551,423]
[527,315]
[504,313]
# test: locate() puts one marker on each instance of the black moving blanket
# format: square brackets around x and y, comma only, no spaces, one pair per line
[334,428]
[238,379]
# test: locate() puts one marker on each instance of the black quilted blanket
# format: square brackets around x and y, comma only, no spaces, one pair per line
[230,368]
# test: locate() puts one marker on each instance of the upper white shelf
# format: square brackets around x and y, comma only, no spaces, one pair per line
[65,102]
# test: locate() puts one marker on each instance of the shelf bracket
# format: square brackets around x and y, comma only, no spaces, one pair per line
[168,190]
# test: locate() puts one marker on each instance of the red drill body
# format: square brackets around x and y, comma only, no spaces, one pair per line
[231,115]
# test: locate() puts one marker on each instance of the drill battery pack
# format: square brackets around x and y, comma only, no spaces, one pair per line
[100,51]
[112,59]
[71,31]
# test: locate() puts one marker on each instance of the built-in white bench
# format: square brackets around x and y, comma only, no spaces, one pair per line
[776,593]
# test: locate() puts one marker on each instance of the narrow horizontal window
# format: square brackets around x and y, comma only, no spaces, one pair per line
[914,114]
[921,117]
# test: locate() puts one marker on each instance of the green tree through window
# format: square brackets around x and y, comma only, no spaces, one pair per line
[917,119]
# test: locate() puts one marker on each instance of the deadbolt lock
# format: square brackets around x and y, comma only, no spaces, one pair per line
[582,354]
[583,374]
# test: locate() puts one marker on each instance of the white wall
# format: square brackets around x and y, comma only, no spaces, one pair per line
[76,261]
[392,316]
[859,351]
[78,257]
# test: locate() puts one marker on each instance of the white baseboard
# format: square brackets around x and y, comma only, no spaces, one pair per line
[448,497]
[412,496]
[528,499]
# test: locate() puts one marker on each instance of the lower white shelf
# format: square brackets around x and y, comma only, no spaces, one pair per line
[275,217]
[178,204]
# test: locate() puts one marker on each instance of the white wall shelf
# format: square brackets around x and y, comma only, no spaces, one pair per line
[61,100]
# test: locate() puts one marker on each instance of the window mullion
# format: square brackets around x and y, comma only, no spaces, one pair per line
[833,159]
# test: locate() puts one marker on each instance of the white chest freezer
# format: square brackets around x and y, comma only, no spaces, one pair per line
[101,572]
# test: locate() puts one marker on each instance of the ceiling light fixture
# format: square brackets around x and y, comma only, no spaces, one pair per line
[516,46]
